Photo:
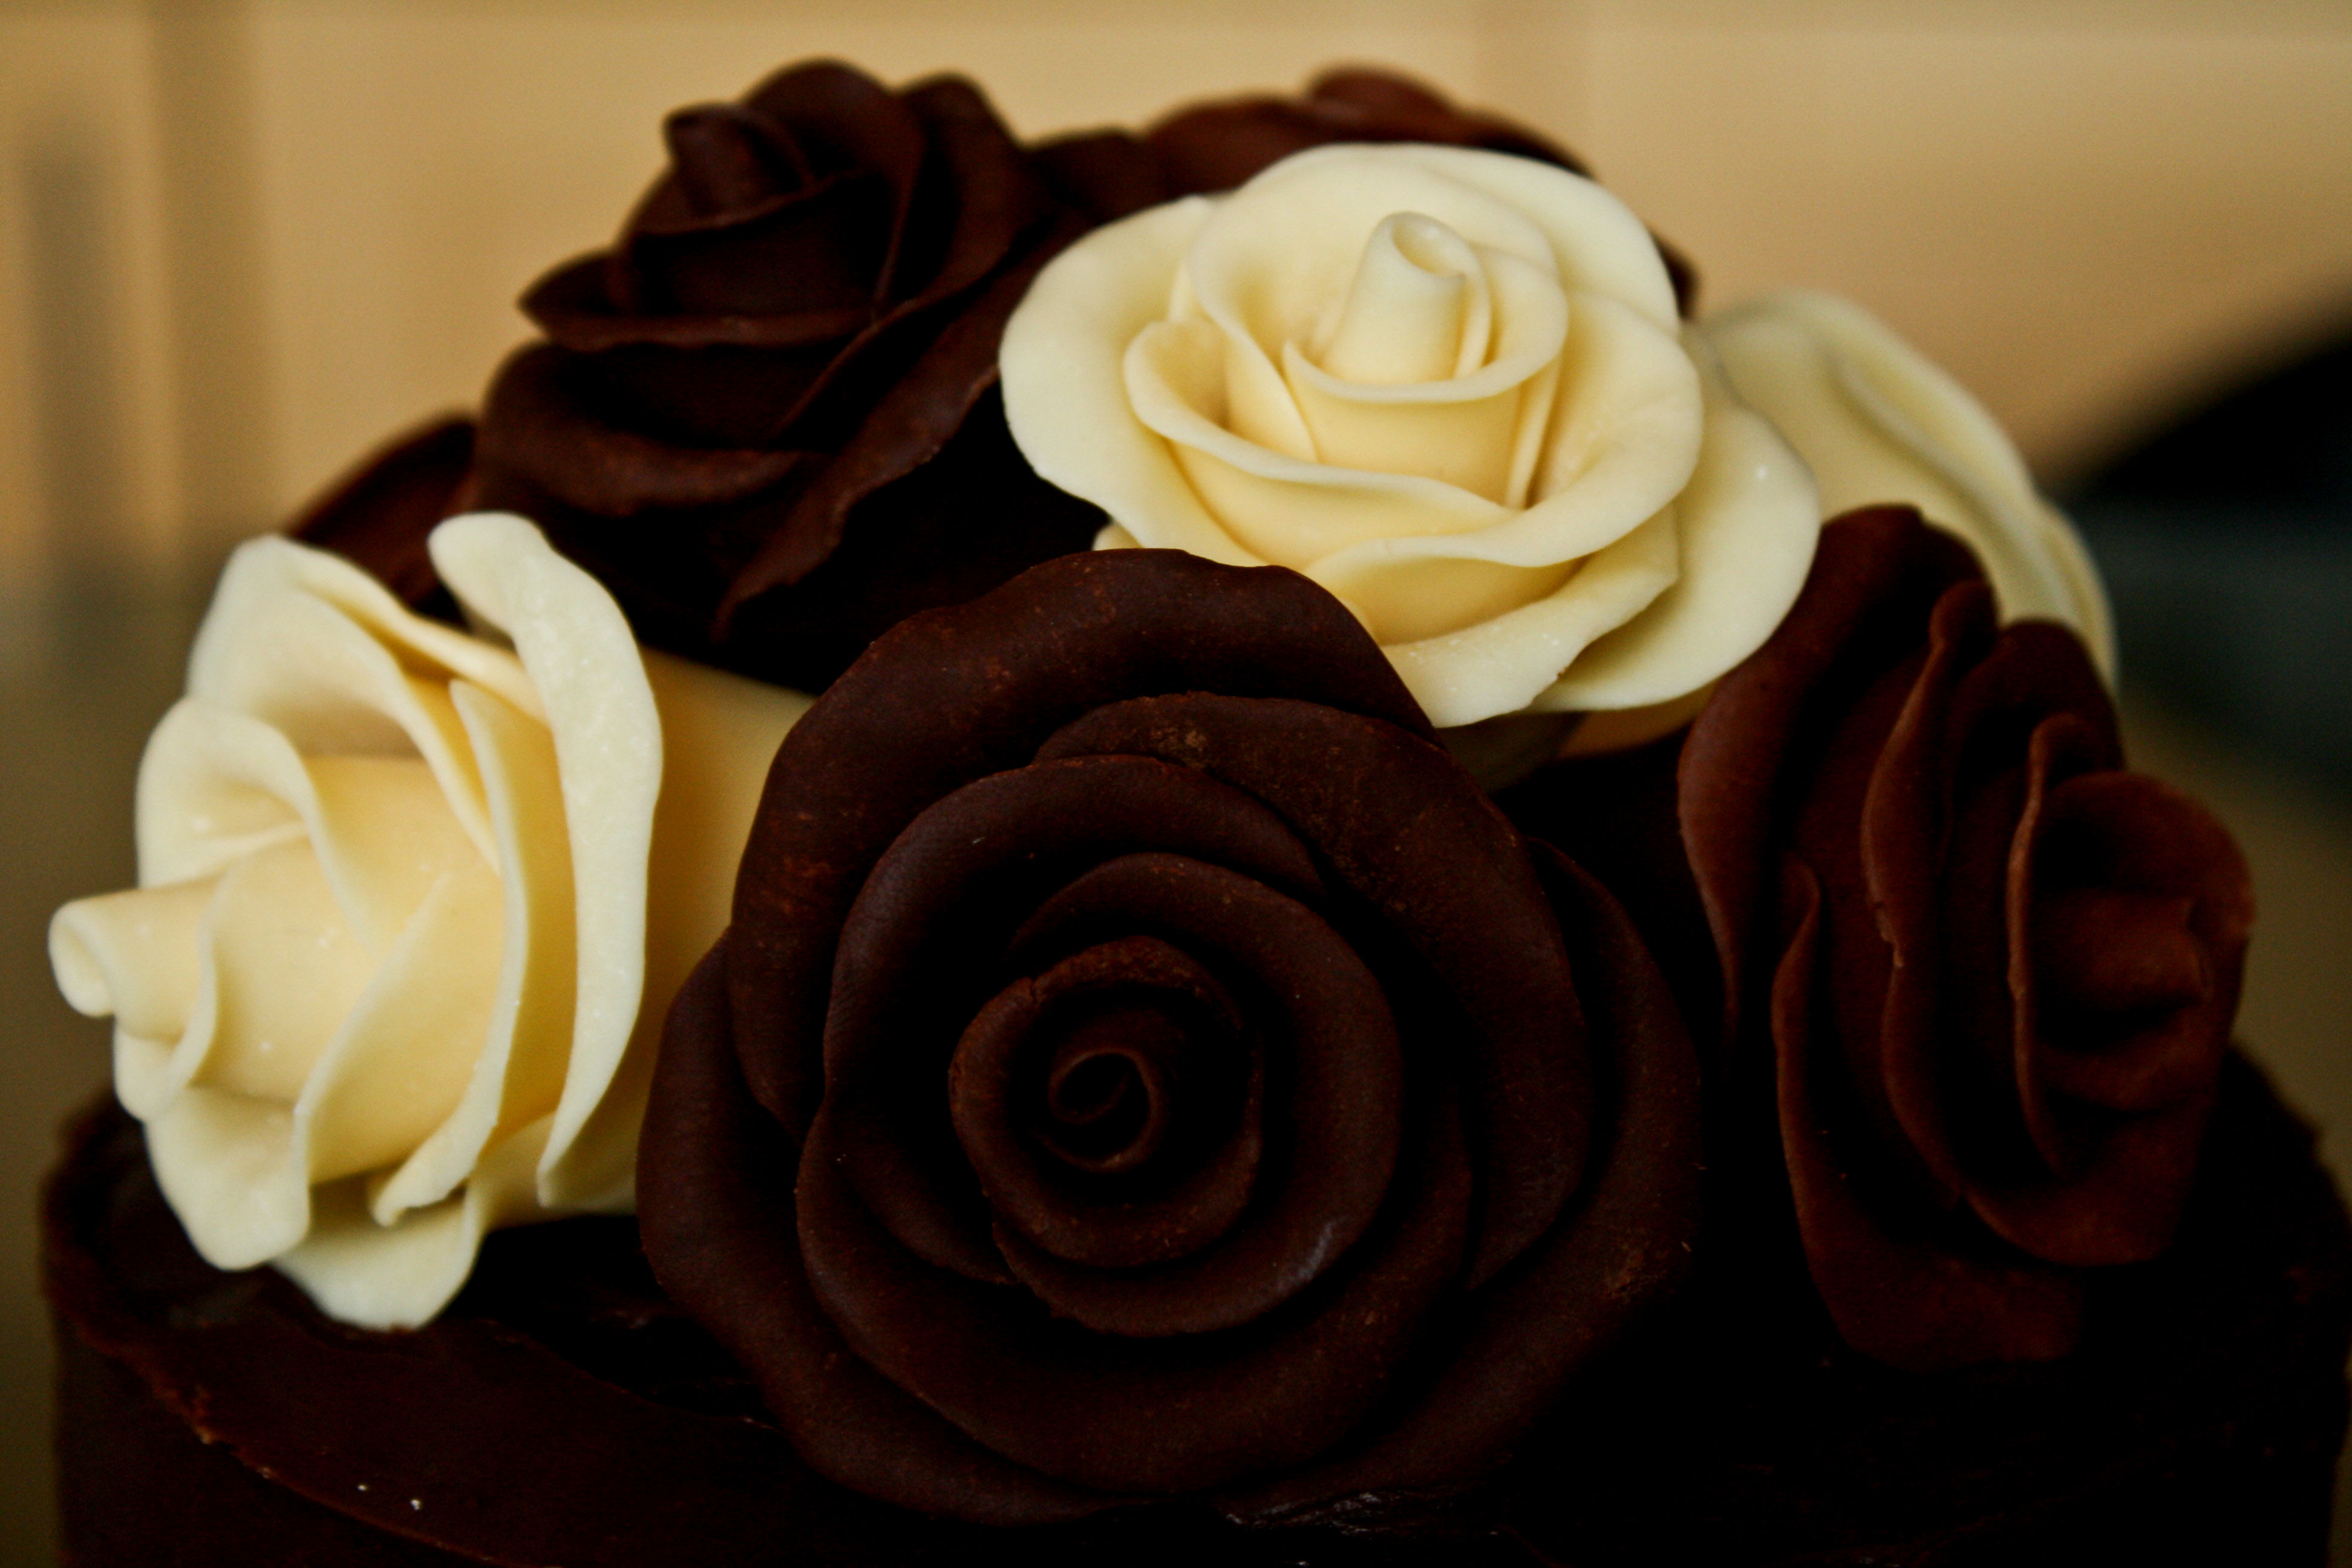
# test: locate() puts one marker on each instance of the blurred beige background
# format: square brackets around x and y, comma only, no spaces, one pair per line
[239,243]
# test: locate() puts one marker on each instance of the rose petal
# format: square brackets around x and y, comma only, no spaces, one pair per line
[997,676]
[1746,524]
[1872,572]
[1465,903]
[1280,507]
[1919,1306]
[136,955]
[541,421]
[1063,362]
[1331,1135]
[1215,146]
[1186,1039]
[717,1211]
[1176,1413]
[1625,1241]
[1904,832]
[1515,658]
[942,902]
[908,425]
[2127,1176]
[814,252]
[1877,423]
[517,1074]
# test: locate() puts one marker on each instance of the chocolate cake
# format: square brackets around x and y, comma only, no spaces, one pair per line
[1199,844]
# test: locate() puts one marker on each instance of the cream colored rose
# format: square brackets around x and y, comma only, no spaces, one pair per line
[394,967]
[1876,422]
[1447,384]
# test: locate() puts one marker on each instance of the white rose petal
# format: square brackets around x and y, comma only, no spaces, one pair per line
[1451,387]
[395,965]
[1876,422]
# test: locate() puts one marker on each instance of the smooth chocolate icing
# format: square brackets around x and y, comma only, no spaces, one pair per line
[1328,1220]
[1998,972]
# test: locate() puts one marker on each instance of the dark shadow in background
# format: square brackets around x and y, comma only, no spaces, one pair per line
[2226,541]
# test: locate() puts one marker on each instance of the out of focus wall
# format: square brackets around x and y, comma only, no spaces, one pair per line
[240,240]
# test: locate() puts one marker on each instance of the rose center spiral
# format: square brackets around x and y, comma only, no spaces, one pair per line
[1419,309]
[1100,1104]
[1109,1088]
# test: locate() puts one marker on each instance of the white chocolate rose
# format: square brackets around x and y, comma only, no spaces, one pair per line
[1447,384]
[1876,422]
[394,968]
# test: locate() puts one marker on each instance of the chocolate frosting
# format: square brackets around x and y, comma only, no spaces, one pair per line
[1142,1063]
[1997,971]
[766,417]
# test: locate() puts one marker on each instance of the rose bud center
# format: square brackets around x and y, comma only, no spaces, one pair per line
[1109,1090]
[1118,1086]
[1418,310]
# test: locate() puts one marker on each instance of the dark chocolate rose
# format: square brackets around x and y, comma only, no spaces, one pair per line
[1998,971]
[1218,145]
[1143,1063]
[766,418]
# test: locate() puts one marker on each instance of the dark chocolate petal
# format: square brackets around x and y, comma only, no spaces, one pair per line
[943,904]
[1335,1084]
[576,307]
[797,321]
[1218,145]
[1163,1414]
[2119,1097]
[997,199]
[1623,1246]
[723,160]
[1876,574]
[812,253]
[1851,1027]
[1105,175]
[1161,1058]
[716,1191]
[952,695]
[1921,1304]
[1905,829]
[2102,951]
[906,427]
[539,423]
[953,527]
[834,117]
[1463,899]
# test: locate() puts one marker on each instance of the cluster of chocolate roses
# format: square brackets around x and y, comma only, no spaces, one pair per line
[1141,1059]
